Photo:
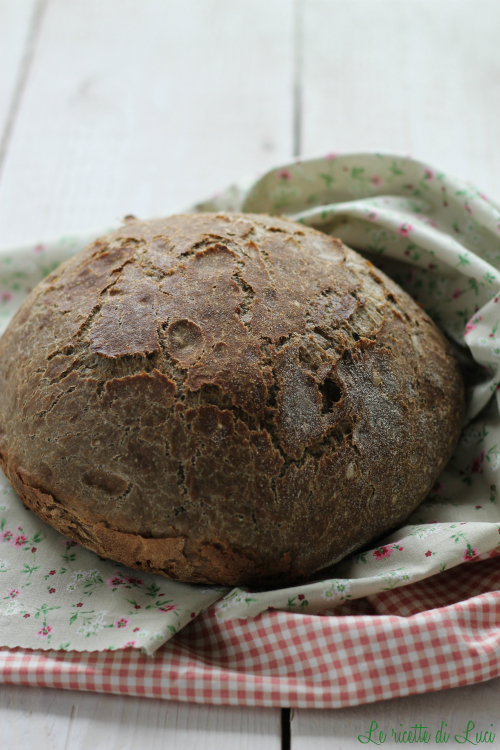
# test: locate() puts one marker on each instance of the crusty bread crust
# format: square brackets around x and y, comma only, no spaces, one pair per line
[224,398]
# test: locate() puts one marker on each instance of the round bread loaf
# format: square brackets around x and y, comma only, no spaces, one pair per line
[224,398]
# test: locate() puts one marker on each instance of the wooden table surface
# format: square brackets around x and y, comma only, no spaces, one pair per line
[111,107]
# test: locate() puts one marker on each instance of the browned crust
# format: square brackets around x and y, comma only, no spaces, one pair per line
[160,556]
[224,398]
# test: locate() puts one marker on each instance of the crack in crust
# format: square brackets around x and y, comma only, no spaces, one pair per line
[224,398]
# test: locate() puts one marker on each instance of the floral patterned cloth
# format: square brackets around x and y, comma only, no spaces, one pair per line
[439,238]
[55,594]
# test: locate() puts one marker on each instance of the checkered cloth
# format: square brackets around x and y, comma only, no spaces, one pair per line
[438,633]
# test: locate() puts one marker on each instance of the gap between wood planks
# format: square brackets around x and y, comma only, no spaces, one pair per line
[24,69]
[67,744]
[286,727]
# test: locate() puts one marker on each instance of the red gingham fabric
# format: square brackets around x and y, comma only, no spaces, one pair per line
[439,633]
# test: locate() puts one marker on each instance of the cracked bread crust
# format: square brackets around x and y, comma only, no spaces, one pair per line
[224,398]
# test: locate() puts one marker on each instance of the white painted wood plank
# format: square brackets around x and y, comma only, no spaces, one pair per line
[144,106]
[15,22]
[418,77]
[339,729]
[141,107]
[71,720]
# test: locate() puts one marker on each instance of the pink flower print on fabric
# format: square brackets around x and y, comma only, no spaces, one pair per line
[477,462]
[44,632]
[472,324]
[386,550]
[285,174]
[122,623]
[437,487]
[456,293]
[376,180]
[428,174]
[405,229]
[5,297]
[117,580]
[331,157]
[372,216]
[382,552]
[469,554]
